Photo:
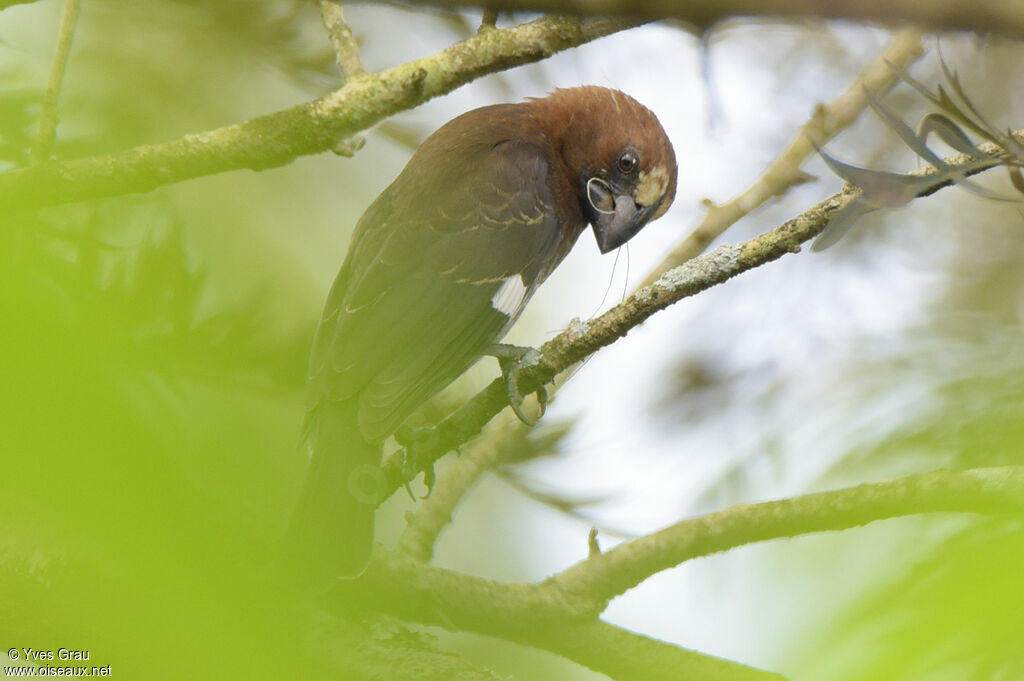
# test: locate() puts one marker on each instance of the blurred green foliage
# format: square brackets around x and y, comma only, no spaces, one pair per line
[153,351]
[950,603]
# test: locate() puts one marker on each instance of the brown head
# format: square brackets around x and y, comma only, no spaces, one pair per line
[617,154]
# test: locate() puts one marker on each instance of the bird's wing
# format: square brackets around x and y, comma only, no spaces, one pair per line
[439,269]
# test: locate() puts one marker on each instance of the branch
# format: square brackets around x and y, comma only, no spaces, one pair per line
[489,20]
[984,490]
[561,613]
[529,614]
[310,128]
[508,441]
[582,339]
[345,46]
[627,656]
[348,651]
[434,513]
[48,111]
[981,16]
[826,122]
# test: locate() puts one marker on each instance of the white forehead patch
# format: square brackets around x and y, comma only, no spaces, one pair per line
[510,297]
[651,185]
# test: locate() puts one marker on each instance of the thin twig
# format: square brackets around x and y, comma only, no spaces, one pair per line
[489,20]
[784,173]
[345,46]
[48,112]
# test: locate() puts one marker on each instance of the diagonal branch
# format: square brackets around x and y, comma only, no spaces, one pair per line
[508,442]
[48,111]
[582,339]
[345,47]
[984,490]
[784,173]
[434,513]
[310,128]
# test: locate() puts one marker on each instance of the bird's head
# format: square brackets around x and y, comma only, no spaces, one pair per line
[620,158]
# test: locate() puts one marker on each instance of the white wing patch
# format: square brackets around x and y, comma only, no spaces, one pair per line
[510,297]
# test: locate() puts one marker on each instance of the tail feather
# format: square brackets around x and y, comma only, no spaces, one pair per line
[331,533]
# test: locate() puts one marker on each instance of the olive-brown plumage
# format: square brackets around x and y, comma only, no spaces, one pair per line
[441,265]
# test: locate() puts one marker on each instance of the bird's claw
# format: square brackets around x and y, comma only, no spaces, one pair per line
[515,400]
[512,359]
[413,440]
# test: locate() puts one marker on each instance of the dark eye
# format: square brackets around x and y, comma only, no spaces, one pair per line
[627,162]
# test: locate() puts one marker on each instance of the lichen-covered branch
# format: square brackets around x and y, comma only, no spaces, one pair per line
[345,47]
[981,16]
[984,490]
[784,173]
[310,128]
[529,614]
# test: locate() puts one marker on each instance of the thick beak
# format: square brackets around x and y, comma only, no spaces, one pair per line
[615,218]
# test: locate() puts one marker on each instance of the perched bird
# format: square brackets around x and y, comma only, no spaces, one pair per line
[439,268]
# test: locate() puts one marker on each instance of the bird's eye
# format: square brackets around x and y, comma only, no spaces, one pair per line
[627,162]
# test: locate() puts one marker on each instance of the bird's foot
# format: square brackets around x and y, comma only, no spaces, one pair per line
[513,359]
[413,441]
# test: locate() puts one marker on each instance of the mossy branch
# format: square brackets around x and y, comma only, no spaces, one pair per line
[278,138]
[346,48]
[986,490]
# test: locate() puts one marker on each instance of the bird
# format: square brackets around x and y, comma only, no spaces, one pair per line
[441,265]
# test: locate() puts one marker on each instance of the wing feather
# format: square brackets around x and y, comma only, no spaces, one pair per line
[413,306]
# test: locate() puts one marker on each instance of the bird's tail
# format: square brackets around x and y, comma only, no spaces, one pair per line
[331,533]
